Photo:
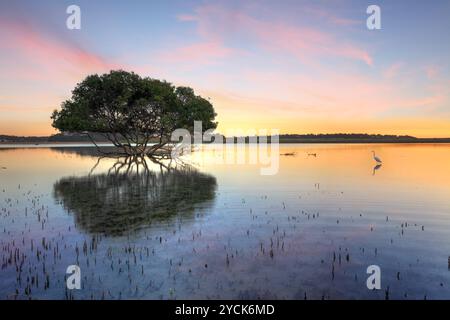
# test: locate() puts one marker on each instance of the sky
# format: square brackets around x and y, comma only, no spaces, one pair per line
[292,65]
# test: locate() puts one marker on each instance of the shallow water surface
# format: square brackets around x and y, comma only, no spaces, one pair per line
[224,230]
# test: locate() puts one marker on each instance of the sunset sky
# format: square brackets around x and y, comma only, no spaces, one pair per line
[297,66]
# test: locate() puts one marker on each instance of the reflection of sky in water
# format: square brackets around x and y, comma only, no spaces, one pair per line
[234,233]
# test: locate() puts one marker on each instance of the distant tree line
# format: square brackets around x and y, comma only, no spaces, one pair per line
[284,138]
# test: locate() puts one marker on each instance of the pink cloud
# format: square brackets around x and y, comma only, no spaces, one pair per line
[431,71]
[330,17]
[428,102]
[325,95]
[43,72]
[344,22]
[393,70]
[45,56]
[198,53]
[217,23]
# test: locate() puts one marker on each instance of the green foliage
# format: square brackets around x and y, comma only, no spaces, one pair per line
[130,107]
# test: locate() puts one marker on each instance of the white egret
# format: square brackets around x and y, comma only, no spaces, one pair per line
[376,158]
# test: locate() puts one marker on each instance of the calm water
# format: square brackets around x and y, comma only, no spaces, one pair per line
[224,230]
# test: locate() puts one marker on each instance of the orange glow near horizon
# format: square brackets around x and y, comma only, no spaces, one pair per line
[228,123]
[300,69]
[416,128]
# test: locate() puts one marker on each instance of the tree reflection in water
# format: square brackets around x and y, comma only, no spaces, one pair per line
[127,199]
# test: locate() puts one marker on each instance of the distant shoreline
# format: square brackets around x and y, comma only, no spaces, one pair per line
[281,141]
[337,138]
[343,141]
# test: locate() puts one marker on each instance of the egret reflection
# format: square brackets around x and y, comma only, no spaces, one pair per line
[376,168]
[119,202]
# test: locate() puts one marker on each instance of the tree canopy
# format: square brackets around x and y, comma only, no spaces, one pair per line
[132,111]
